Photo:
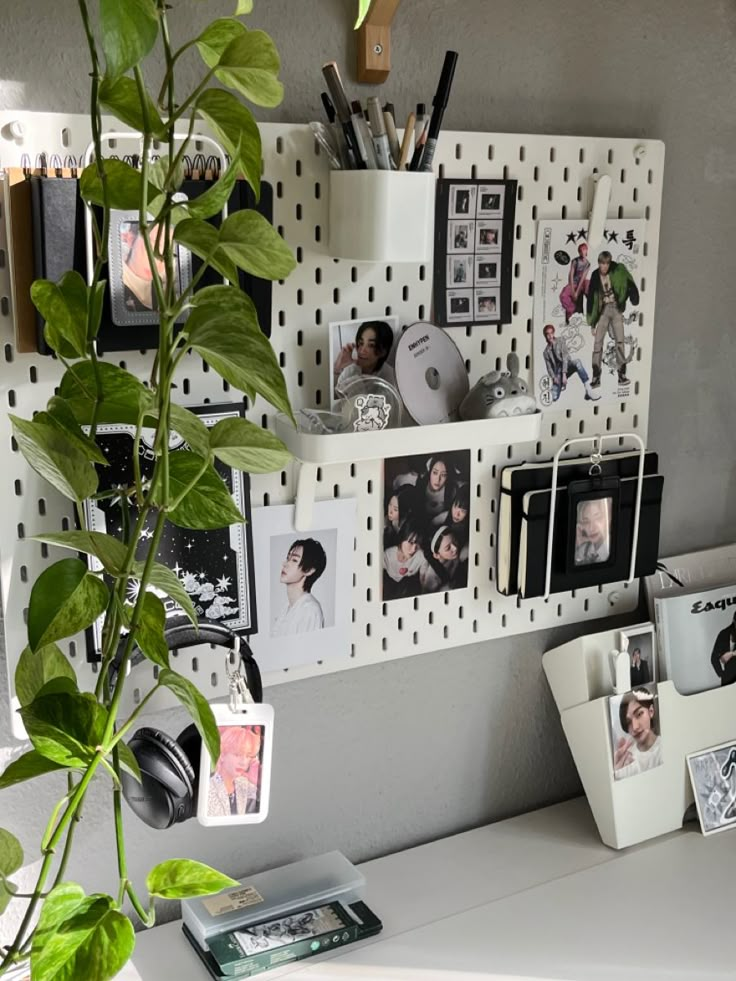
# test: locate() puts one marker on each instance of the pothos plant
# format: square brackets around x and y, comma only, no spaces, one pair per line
[78,735]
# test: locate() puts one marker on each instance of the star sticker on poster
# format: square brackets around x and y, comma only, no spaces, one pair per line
[571,237]
[582,233]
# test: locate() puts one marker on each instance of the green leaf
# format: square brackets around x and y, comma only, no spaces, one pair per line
[34,670]
[206,505]
[7,891]
[128,761]
[129,32]
[213,200]
[93,941]
[110,551]
[119,96]
[213,40]
[159,171]
[27,767]
[213,301]
[55,458]
[363,7]
[203,240]
[57,907]
[168,582]
[63,306]
[124,184]
[64,600]
[11,853]
[150,633]
[250,64]
[59,414]
[245,446]
[122,396]
[199,709]
[180,878]
[233,125]
[190,427]
[65,726]
[244,358]
[254,245]
[244,7]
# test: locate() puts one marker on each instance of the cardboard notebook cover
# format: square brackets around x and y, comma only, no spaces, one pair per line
[532,563]
[520,480]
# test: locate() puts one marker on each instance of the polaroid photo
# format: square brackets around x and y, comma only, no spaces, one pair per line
[305,590]
[487,270]
[462,200]
[592,523]
[490,200]
[636,740]
[427,520]
[487,304]
[713,777]
[488,236]
[459,271]
[236,790]
[362,347]
[132,295]
[460,236]
[459,306]
[640,642]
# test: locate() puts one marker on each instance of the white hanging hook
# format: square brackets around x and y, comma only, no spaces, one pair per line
[599,211]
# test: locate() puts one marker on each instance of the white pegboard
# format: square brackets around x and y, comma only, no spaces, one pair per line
[554,175]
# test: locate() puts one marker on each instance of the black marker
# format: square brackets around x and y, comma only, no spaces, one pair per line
[342,108]
[439,104]
[329,108]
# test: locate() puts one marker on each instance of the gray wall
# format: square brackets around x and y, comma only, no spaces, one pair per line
[362,763]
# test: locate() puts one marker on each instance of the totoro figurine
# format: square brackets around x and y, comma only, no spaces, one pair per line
[498,394]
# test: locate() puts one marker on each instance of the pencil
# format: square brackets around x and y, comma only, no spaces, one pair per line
[406,142]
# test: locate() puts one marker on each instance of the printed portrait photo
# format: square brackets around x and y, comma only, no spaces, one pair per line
[132,292]
[235,786]
[426,531]
[640,644]
[713,778]
[490,201]
[488,236]
[460,270]
[305,584]
[636,741]
[487,304]
[362,347]
[460,236]
[462,200]
[460,304]
[487,271]
[593,529]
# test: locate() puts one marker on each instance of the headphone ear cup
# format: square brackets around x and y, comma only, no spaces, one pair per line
[190,743]
[165,795]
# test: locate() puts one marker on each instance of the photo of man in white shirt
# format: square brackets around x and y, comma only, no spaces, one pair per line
[302,613]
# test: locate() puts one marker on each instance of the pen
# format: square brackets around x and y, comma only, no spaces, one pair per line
[416,160]
[342,109]
[406,142]
[380,138]
[393,140]
[439,104]
[329,108]
[363,137]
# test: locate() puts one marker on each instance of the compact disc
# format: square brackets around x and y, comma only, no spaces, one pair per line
[430,374]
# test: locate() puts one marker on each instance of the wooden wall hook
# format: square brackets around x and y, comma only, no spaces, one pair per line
[374,42]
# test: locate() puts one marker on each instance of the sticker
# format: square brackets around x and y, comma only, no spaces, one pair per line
[226,902]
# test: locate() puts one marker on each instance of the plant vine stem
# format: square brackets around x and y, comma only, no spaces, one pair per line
[176,116]
[128,724]
[169,71]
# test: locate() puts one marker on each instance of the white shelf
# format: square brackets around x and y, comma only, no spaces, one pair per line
[358,447]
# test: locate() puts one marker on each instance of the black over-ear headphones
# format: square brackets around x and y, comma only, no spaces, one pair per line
[170,767]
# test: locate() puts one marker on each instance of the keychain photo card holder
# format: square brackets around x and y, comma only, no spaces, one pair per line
[592,519]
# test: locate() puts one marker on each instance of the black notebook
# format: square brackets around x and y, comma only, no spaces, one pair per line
[519,480]
[59,245]
[535,529]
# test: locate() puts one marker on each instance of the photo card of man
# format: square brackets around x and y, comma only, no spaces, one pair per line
[426,533]
[697,637]
[474,220]
[237,788]
[133,297]
[362,348]
[713,778]
[592,515]
[586,319]
[305,600]
[215,566]
[640,643]
[636,740]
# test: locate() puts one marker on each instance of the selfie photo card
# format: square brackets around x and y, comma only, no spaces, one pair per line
[305,591]
[474,251]
[586,313]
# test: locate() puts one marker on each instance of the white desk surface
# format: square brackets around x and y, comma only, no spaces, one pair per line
[537,896]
